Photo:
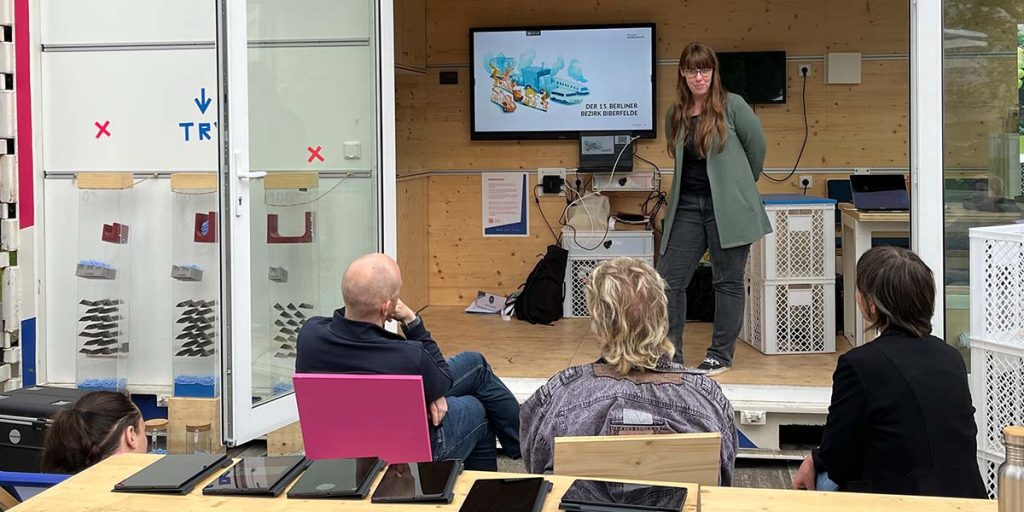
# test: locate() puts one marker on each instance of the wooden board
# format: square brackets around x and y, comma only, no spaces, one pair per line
[185,181]
[734,499]
[291,180]
[672,458]
[286,440]
[518,349]
[192,411]
[104,180]
[89,491]
[411,35]
[849,209]
[413,244]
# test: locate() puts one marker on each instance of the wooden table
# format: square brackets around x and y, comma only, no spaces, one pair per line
[858,229]
[734,499]
[90,491]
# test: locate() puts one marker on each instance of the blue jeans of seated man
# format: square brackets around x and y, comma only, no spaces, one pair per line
[695,231]
[824,483]
[480,407]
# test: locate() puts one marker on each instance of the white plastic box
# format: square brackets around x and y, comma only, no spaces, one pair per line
[802,242]
[997,339]
[791,318]
[587,249]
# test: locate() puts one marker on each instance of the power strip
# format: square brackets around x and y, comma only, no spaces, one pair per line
[624,182]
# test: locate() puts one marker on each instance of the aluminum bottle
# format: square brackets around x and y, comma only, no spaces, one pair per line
[1011,472]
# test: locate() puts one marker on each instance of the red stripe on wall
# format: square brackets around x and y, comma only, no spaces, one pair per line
[23,88]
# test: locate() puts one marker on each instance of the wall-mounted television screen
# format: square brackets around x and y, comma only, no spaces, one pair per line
[555,82]
[760,77]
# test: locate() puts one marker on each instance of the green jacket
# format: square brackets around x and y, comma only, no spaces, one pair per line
[733,174]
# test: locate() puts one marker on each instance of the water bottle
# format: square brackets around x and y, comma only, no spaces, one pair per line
[1011,472]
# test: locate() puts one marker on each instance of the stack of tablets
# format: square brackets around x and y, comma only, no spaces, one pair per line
[599,496]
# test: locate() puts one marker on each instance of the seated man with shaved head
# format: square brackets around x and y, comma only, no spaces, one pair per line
[468,404]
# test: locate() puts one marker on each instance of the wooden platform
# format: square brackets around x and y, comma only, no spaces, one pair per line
[518,349]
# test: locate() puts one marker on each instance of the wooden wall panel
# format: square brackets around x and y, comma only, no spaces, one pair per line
[413,255]
[462,261]
[863,125]
[410,35]
[801,27]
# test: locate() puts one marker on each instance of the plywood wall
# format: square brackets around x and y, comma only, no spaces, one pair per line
[865,125]
[413,253]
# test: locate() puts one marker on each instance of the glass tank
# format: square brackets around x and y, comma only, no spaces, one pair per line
[286,260]
[195,284]
[103,279]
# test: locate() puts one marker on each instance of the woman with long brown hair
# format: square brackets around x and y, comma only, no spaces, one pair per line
[718,146]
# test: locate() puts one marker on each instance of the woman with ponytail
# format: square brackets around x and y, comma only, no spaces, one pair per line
[718,146]
[99,425]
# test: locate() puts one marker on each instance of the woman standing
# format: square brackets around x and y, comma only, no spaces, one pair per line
[719,148]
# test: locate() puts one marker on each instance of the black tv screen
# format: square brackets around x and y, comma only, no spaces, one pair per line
[555,82]
[760,77]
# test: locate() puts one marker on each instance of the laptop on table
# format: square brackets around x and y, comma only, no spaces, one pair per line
[880,192]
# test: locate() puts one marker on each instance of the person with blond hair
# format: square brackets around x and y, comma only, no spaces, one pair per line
[634,388]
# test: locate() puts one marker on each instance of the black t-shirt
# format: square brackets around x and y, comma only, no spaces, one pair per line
[695,169]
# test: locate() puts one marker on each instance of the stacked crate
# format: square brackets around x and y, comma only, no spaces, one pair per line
[588,249]
[10,315]
[997,339]
[790,278]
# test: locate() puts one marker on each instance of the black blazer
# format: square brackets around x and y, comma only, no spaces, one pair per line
[901,420]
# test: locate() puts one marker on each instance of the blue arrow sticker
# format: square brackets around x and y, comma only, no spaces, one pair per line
[203,103]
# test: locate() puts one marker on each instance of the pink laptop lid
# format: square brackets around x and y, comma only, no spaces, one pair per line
[363,416]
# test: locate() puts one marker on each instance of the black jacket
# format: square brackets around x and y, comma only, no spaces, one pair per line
[901,420]
[339,345]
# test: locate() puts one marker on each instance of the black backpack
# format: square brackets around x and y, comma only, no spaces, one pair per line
[540,298]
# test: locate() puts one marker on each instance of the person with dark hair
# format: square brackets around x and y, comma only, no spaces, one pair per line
[901,419]
[719,147]
[100,424]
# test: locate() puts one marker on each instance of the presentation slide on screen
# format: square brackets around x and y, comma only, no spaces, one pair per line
[563,80]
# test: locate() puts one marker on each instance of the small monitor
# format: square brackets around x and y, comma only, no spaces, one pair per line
[605,152]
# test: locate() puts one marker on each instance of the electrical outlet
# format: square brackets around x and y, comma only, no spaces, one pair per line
[753,417]
[552,171]
[805,182]
[804,70]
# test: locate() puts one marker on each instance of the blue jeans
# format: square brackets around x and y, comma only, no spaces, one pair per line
[695,231]
[824,483]
[480,407]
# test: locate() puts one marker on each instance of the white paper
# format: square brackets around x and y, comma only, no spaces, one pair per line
[505,209]
[486,303]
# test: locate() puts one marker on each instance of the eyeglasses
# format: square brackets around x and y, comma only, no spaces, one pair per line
[692,73]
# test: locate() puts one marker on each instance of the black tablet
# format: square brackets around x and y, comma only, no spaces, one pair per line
[173,474]
[431,482]
[337,478]
[260,476]
[507,495]
[600,496]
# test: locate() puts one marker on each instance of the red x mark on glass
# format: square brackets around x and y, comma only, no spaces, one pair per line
[103,129]
[314,153]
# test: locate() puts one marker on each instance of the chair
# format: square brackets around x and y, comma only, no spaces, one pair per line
[363,416]
[681,458]
[17,487]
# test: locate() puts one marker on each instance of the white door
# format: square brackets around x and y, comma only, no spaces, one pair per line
[308,168]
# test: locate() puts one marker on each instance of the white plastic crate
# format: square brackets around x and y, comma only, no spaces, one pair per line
[997,285]
[997,339]
[802,242]
[791,317]
[587,250]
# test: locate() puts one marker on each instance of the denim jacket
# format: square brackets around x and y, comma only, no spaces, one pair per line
[592,400]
